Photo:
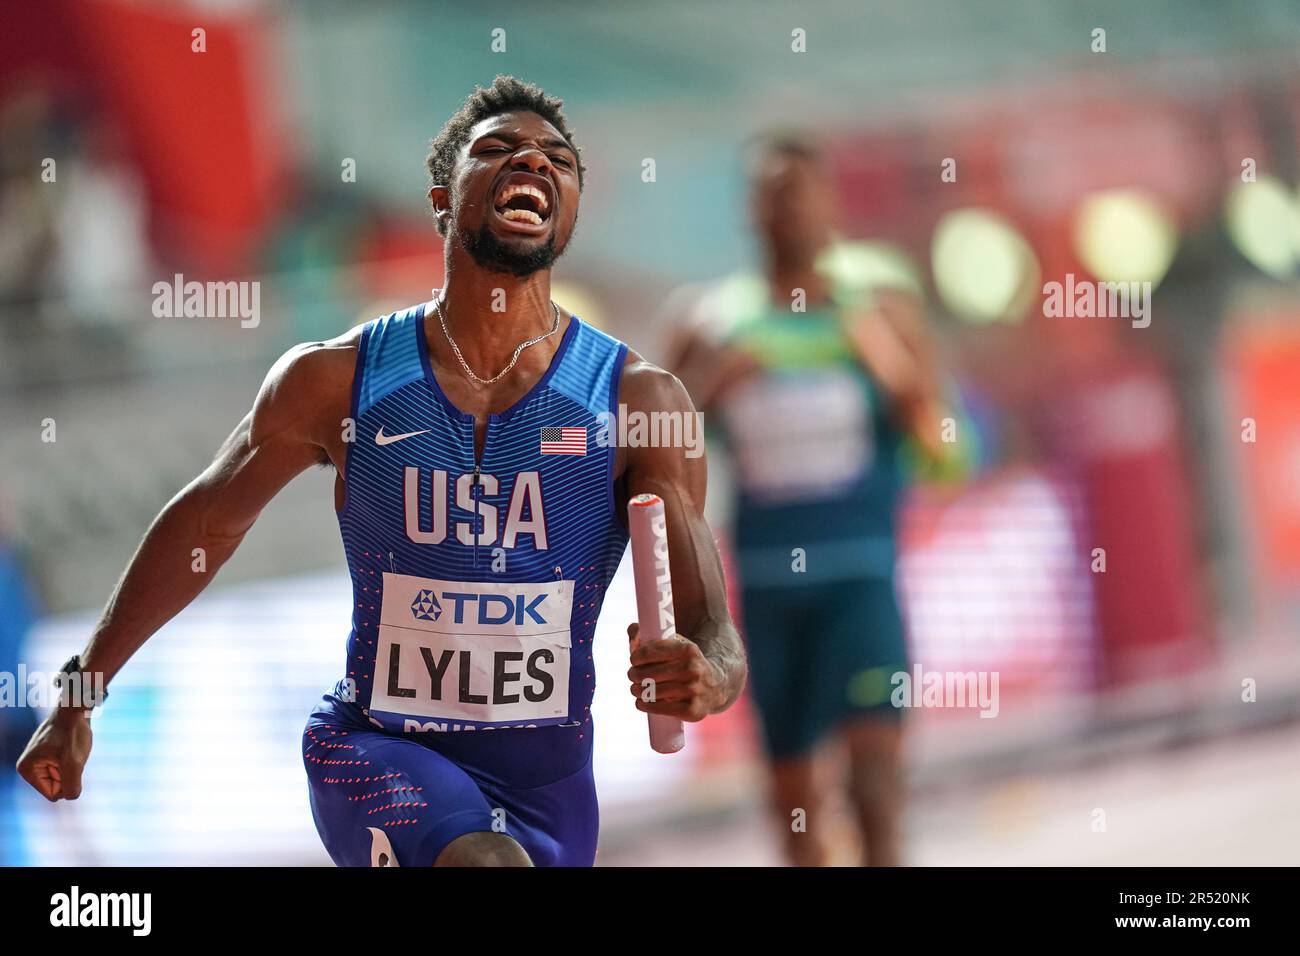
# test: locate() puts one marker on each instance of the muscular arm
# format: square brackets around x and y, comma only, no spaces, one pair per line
[702,670]
[891,340]
[274,443]
[304,398]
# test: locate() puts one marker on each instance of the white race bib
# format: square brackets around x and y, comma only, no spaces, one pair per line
[473,652]
[799,436]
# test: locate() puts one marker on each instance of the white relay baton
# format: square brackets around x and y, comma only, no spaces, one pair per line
[654,598]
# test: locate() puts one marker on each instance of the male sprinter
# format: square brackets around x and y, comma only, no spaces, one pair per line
[816,390]
[482,517]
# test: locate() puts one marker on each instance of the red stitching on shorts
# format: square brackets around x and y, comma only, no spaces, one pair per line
[394,806]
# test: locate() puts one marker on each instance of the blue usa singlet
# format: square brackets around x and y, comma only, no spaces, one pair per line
[476,588]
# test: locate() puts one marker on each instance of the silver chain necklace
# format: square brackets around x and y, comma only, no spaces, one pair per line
[437,305]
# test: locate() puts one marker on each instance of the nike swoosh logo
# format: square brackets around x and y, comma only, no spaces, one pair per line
[382,439]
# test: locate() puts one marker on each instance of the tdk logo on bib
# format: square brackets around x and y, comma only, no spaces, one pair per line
[476,653]
[426,606]
[491,608]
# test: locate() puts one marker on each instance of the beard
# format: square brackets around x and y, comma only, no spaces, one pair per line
[490,253]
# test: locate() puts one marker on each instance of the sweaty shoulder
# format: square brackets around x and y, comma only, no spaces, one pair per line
[309,389]
[650,391]
[648,388]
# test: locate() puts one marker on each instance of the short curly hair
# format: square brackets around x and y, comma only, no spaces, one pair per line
[506,95]
[785,141]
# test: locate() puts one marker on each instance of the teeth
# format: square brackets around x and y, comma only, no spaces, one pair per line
[521,215]
[521,189]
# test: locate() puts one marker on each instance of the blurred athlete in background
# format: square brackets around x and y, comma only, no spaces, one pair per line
[819,386]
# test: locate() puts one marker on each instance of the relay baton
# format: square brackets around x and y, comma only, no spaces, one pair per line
[654,598]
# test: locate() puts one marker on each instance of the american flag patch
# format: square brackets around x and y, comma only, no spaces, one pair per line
[564,441]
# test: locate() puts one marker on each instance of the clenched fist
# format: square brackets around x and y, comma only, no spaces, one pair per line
[56,755]
[686,684]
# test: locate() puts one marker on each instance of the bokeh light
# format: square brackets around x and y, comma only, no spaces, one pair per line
[1263,221]
[1125,235]
[578,300]
[860,265]
[984,269]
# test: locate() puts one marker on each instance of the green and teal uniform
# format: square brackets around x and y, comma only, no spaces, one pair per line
[818,470]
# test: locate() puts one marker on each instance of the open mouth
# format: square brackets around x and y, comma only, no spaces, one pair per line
[522,203]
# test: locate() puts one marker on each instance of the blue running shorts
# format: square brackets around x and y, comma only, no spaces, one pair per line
[382,799]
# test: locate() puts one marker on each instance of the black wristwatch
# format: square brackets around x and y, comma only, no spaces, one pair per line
[86,691]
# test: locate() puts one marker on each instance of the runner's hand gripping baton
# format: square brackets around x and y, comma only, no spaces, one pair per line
[654,598]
